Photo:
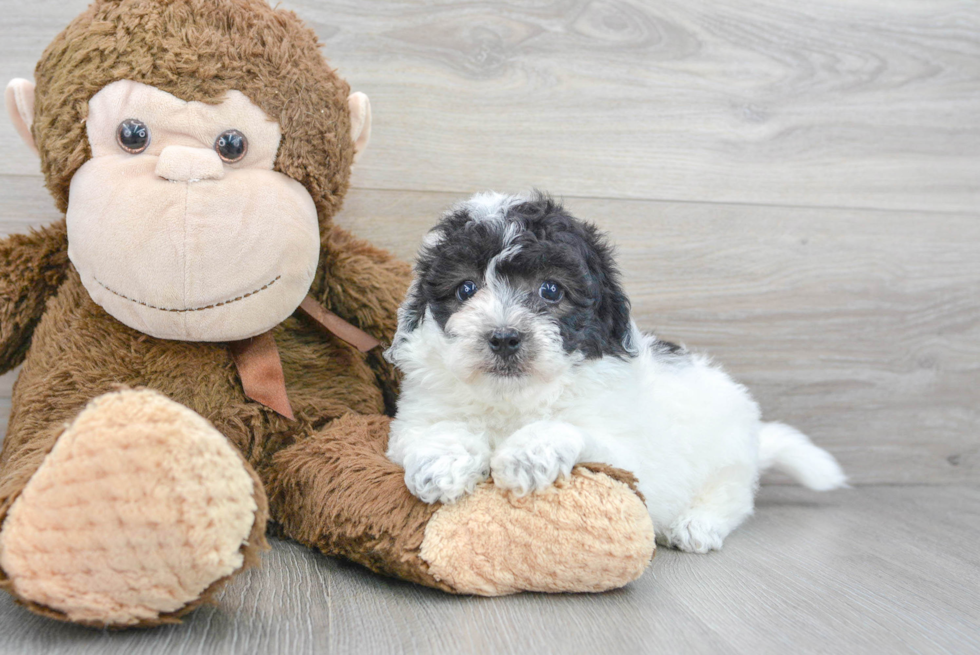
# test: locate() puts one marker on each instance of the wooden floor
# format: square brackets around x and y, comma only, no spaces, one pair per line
[873,570]
[793,187]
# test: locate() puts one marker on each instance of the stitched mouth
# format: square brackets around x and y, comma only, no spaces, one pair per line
[178,310]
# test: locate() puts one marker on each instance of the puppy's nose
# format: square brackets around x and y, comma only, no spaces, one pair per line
[505,342]
[187,164]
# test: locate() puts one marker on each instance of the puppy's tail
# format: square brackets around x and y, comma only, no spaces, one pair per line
[789,451]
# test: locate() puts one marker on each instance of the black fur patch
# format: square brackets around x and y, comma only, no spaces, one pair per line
[594,314]
[665,349]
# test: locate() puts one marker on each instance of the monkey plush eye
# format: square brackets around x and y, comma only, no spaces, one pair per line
[133,136]
[231,146]
[550,291]
[466,290]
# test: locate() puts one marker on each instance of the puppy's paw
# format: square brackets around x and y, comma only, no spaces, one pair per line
[443,476]
[694,534]
[535,456]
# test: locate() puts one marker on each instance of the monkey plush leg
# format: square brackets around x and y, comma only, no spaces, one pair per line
[137,514]
[336,491]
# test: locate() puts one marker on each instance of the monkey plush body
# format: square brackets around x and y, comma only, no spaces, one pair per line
[137,475]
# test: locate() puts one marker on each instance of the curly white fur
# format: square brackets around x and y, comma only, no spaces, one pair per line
[692,435]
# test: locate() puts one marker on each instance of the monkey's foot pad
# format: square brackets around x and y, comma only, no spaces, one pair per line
[590,532]
[140,507]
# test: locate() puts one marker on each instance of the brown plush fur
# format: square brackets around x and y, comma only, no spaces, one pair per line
[32,266]
[329,484]
[383,525]
[195,50]
[251,549]
[198,50]
[79,352]
[619,475]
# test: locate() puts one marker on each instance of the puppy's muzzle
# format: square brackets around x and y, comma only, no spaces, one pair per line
[505,343]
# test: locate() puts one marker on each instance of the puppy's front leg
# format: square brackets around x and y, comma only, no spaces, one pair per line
[442,461]
[536,455]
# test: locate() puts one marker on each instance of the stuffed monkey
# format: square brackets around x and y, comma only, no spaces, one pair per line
[200,342]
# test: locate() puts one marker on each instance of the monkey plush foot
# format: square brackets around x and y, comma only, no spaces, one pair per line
[337,491]
[590,532]
[138,511]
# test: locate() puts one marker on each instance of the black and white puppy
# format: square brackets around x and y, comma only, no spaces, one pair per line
[520,359]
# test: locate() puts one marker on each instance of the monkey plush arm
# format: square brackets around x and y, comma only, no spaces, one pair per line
[364,285]
[32,267]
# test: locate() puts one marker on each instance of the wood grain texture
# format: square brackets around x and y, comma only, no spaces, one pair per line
[874,570]
[856,103]
[862,328]
[740,153]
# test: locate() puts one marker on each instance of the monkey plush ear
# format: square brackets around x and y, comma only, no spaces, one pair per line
[360,121]
[20,105]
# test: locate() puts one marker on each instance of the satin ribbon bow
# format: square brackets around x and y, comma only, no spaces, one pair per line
[260,368]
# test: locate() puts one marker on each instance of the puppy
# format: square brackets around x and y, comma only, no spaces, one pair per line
[520,360]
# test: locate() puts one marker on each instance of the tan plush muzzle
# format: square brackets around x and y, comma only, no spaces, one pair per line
[180,244]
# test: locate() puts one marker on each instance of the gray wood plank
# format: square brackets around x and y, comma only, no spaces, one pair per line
[860,327]
[806,575]
[829,103]
[284,607]
[24,203]
[871,570]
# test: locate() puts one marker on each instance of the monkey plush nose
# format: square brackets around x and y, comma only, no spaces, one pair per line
[186,164]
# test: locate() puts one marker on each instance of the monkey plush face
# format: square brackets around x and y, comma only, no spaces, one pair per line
[199,149]
[178,225]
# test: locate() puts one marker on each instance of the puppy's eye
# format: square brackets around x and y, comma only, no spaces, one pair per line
[231,146]
[466,290]
[550,291]
[133,136]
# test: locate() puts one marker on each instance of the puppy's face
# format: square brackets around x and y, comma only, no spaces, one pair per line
[515,289]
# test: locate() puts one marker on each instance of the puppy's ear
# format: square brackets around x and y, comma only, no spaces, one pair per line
[412,310]
[613,310]
[410,316]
